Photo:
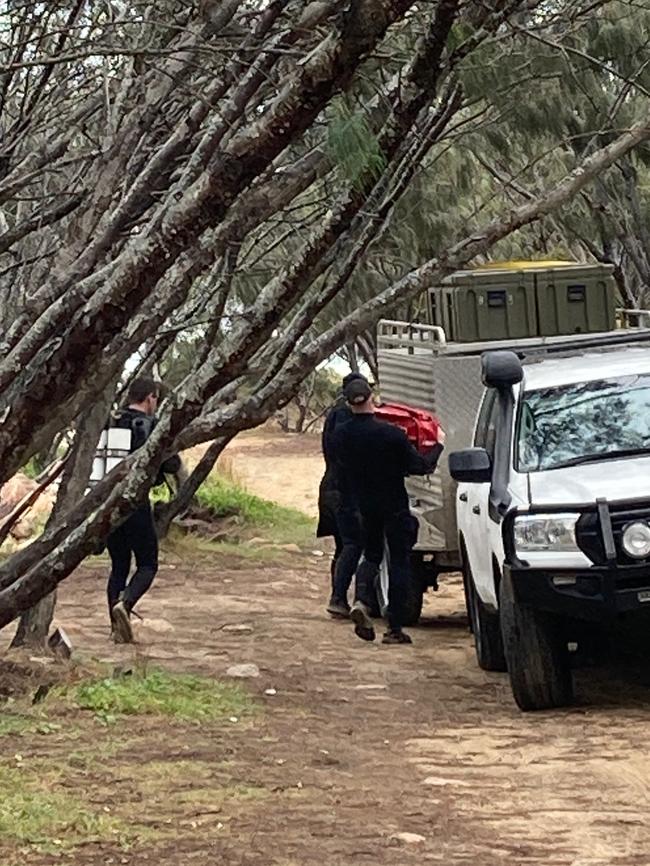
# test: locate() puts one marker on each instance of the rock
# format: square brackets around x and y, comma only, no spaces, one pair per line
[439,782]
[318,553]
[242,628]
[408,838]
[12,492]
[247,671]
[160,626]
[370,687]
[41,660]
[270,692]
[197,525]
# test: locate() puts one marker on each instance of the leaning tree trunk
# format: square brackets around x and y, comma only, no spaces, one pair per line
[34,624]
[186,491]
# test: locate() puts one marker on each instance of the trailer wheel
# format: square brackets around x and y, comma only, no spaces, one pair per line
[485,626]
[414,596]
[537,654]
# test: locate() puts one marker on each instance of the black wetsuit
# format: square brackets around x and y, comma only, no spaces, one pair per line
[136,536]
[373,458]
[343,524]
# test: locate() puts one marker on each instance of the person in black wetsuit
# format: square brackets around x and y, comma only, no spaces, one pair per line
[343,525]
[136,536]
[373,458]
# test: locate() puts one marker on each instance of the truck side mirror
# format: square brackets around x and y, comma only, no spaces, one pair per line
[471,466]
[501,369]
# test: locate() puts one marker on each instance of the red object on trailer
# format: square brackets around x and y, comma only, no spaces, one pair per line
[421,427]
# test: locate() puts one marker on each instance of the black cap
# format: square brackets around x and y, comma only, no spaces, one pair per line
[352,377]
[357,391]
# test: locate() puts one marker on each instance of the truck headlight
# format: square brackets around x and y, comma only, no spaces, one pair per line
[552,533]
[636,540]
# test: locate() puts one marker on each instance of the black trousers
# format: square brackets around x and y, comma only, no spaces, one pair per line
[349,541]
[136,537]
[396,530]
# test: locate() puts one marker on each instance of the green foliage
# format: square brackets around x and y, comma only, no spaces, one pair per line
[179,696]
[354,147]
[33,468]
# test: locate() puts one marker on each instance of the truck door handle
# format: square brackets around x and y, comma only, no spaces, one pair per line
[476,509]
[463,497]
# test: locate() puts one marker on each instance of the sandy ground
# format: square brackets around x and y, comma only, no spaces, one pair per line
[276,466]
[360,743]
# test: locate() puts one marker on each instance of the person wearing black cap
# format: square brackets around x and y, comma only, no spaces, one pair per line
[373,458]
[344,526]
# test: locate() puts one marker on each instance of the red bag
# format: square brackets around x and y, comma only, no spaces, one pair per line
[421,427]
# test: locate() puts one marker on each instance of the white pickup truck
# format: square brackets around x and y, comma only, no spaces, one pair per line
[553,509]
[545,501]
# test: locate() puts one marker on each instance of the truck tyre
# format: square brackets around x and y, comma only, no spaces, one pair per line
[537,654]
[486,628]
[414,596]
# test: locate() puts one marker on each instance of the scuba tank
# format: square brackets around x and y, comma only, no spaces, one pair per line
[113,446]
[117,442]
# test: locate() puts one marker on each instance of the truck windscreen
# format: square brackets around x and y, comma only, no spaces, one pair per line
[583,422]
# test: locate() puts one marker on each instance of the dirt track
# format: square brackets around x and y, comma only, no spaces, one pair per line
[359,744]
[362,742]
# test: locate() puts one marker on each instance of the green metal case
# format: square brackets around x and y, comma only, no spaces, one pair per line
[520,300]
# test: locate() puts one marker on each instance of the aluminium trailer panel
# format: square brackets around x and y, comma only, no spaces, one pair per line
[450,387]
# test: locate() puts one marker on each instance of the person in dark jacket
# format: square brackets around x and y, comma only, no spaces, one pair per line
[373,458]
[136,537]
[343,525]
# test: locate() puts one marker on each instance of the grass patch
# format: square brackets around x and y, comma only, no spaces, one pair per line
[22,724]
[46,820]
[178,696]
[225,498]
[187,547]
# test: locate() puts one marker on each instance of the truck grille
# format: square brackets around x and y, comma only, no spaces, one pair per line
[590,539]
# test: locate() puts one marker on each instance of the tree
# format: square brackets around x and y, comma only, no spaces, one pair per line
[229,177]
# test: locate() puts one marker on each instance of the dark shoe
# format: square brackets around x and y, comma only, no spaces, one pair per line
[360,616]
[122,631]
[339,609]
[396,637]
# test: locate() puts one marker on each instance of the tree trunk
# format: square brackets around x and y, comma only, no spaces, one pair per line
[34,625]
[302,416]
[187,490]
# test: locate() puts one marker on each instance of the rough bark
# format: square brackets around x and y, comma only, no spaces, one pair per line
[34,625]
[150,255]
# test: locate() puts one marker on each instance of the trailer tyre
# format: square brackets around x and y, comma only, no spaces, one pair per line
[536,653]
[485,626]
[414,596]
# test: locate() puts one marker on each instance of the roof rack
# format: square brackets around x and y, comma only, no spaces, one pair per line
[568,345]
[419,338]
